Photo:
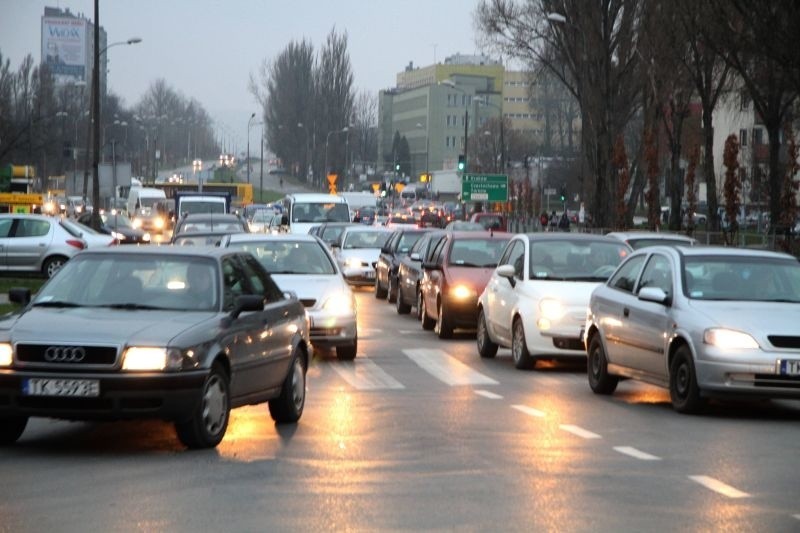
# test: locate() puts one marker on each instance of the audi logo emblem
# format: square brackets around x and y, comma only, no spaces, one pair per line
[64,354]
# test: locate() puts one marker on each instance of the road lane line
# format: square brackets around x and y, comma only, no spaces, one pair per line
[579,431]
[637,454]
[488,394]
[797,516]
[719,487]
[529,411]
[446,368]
[408,331]
[363,374]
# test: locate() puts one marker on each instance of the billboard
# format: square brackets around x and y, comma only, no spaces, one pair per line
[64,46]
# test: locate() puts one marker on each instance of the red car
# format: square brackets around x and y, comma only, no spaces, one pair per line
[454,277]
[491,221]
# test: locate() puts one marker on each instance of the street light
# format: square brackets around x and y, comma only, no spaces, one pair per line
[502,134]
[450,83]
[327,138]
[248,145]
[96,112]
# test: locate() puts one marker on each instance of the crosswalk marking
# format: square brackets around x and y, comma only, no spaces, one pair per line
[363,374]
[719,487]
[529,410]
[637,454]
[580,432]
[446,368]
[488,394]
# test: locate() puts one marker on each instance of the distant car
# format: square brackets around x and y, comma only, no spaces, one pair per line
[118,226]
[222,224]
[330,232]
[535,302]
[93,239]
[640,239]
[701,322]
[490,221]
[454,276]
[397,246]
[365,215]
[154,332]
[303,265]
[357,252]
[36,243]
[409,272]
[401,219]
[464,225]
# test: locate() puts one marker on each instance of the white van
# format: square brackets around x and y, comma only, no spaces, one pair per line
[146,197]
[303,210]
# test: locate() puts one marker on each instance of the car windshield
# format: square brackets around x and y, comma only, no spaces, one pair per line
[117,220]
[209,206]
[320,212]
[481,253]
[262,215]
[407,240]
[207,226]
[742,278]
[365,239]
[575,260]
[289,257]
[134,281]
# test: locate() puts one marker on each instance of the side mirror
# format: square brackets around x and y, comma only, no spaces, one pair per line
[247,302]
[386,250]
[19,295]
[284,220]
[415,256]
[508,272]
[654,294]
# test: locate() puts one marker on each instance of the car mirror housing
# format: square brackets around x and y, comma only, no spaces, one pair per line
[654,294]
[19,295]
[508,272]
[414,256]
[431,266]
[247,302]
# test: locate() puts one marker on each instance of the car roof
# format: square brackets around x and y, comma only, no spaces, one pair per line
[625,235]
[209,217]
[561,236]
[690,251]
[199,251]
[316,197]
[260,237]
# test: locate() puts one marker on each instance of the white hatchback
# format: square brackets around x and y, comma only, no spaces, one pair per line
[537,298]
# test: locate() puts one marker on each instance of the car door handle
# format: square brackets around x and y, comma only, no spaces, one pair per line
[626,312]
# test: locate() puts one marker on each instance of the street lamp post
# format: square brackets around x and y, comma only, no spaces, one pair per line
[502,135]
[96,111]
[252,116]
[427,152]
[452,85]
[327,138]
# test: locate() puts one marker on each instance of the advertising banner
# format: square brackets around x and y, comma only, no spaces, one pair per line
[64,46]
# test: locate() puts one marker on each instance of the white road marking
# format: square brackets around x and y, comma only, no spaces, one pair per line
[369,332]
[637,454]
[446,368]
[718,486]
[580,432]
[488,394]
[363,374]
[408,332]
[529,410]
[796,516]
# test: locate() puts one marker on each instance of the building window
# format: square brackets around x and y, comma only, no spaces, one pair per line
[743,137]
[758,138]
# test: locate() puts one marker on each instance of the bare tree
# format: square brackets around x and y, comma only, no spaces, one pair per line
[364,139]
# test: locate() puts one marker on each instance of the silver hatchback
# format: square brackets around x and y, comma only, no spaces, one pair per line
[700,321]
[36,243]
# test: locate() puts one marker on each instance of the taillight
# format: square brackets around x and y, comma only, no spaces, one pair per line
[80,245]
[114,242]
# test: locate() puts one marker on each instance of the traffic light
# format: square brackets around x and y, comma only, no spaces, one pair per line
[462,163]
[563,193]
[397,167]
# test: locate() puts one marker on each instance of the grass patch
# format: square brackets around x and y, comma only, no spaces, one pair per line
[7,308]
[31,283]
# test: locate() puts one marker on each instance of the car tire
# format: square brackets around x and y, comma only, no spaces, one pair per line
[519,349]
[52,265]
[443,327]
[419,304]
[347,352]
[288,407]
[207,425]
[486,348]
[380,292]
[683,389]
[427,322]
[11,428]
[402,307]
[391,295]
[600,381]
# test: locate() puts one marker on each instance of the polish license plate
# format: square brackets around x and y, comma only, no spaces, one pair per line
[370,274]
[86,388]
[789,367]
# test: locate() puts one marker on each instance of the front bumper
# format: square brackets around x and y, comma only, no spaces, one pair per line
[746,373]
[360,275]
[462,313]
[561,338]
[329,330]
[168,396]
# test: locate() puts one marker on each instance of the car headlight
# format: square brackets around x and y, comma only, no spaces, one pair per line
[340,303]
[137,223]
[552,309]
[159,222]
[462,292]
[729,339]
[6,354]
[150,358]
[352,262]
[146,237]
[118,236]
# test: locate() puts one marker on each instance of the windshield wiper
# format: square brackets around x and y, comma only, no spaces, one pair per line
[56,303]
[588,278]
[133,306]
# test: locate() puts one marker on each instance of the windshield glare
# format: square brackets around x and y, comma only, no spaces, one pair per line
[365,239]
[483,253]
[742,278]
[289,257]
[578,260]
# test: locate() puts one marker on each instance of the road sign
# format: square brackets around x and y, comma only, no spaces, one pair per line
[20,198]
[484,188]
[549,191]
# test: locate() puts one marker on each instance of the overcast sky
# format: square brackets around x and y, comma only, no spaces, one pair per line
[207,49]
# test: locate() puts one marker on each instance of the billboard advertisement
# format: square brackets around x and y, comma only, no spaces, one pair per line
[64,46]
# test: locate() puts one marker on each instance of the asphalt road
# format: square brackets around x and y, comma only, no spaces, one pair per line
[421,434]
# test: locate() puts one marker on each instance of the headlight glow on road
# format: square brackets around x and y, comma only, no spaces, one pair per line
[729,339]
[6,353]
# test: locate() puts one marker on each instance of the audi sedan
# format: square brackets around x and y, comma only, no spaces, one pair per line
[357,252]
[178,334]
[535,302]
[701,322]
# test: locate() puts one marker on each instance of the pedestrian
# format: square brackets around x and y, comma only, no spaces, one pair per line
[553,220]
[543,220]
[563,224]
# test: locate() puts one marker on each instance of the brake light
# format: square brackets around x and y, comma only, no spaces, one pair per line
[76,243]
[114,242]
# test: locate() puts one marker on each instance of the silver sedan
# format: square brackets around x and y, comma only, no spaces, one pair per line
[700,321]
